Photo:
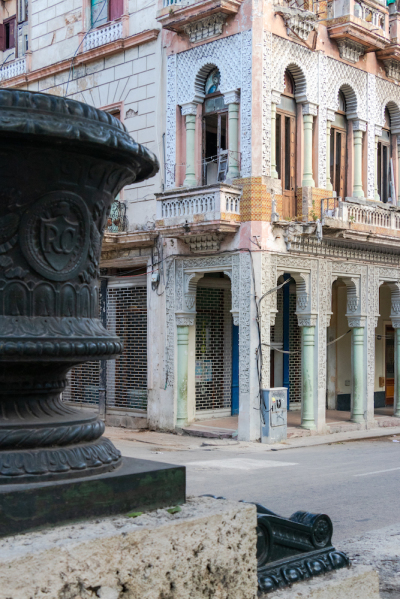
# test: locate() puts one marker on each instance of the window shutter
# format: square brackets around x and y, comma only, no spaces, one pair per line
[2,37]
[21,11]
[116,9]
[12,33]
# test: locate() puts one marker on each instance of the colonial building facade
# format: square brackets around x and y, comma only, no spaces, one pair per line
[266,252]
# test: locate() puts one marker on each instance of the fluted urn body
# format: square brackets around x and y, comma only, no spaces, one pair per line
[61,165]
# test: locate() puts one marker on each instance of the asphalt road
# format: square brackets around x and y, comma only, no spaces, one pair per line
[356,483]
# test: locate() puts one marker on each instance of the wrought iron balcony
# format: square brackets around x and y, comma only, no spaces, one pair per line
[103,35]
[211,209]
[13,69]
[199,19]
[360,27]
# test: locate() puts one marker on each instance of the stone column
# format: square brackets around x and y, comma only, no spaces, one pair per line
[182,380]
[359,127]
[275,99]
[357,340]
[309,111]
[189,112]
[232,99]
[307,373]
[330,117]
[378,133]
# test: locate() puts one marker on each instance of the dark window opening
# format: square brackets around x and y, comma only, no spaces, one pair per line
[215,145]
[7,34]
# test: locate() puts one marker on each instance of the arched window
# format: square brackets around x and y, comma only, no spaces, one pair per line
[286,146]
[385,166]
[215,131]
[338,149]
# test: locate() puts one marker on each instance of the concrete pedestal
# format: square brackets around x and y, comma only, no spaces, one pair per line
[208,549]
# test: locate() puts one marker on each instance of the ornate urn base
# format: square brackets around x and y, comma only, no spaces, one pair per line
[61,165]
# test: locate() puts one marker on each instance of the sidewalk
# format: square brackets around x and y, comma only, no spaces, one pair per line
[168,441]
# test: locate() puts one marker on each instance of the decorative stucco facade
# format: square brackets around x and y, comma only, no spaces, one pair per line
[231,95]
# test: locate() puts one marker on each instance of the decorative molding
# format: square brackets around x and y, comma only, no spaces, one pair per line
[246,297]
[170,137]
[232,97]
[359,125]
[207,28]
[357,321]
[185,319]
[204,243]
[189,108]
[350,50]
[275,97]
[392,68]
[299,23]
[330,115]
[309,108]
[378,131]
[304,320]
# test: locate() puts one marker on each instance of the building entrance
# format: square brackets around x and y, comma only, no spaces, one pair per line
[389,365]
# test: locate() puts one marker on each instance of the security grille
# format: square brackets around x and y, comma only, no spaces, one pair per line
[213,349]
[84,382]
[295,353]
[127,375]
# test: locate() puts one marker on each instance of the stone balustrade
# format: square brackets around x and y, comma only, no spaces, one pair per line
[384,216]
[212,202]
[13,69]
[103,35]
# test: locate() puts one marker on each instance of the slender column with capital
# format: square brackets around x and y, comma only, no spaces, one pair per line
[357,339]
[232,99]
[275,99]
[358,129]
[307,378]
[189,112]
[182,382]
[309,111]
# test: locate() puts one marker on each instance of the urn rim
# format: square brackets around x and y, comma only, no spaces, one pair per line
[58,119]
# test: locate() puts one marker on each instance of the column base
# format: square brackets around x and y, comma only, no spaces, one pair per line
[308,183]
[397,414]
[358,194]
[310,426]
[357,418]
[190,183]
[181,422]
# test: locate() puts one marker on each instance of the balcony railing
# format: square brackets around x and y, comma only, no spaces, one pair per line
[102,35]
[15,68]
[374,216]
[362,10]
[209,203]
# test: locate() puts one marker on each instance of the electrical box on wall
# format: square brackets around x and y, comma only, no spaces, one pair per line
[274,415]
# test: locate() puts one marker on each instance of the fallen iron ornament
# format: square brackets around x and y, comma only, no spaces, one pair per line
[293,549]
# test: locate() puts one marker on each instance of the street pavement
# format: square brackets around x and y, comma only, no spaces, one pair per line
[356,483]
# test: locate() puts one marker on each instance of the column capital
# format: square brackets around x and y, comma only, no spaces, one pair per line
[378,131]
[330,115]
[232,97]
[357,322]
[359,125]
[185,319]
[309,108]
[275,97]
[235,316]
[306,320]
[189,108]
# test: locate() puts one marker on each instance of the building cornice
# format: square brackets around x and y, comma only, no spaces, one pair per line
[84,57]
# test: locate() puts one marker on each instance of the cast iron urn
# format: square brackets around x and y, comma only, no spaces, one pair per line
[62,163]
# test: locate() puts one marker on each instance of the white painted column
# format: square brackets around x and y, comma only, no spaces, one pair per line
[189,111]
[232,99]
[183,321]
[359,128]
[309,112]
